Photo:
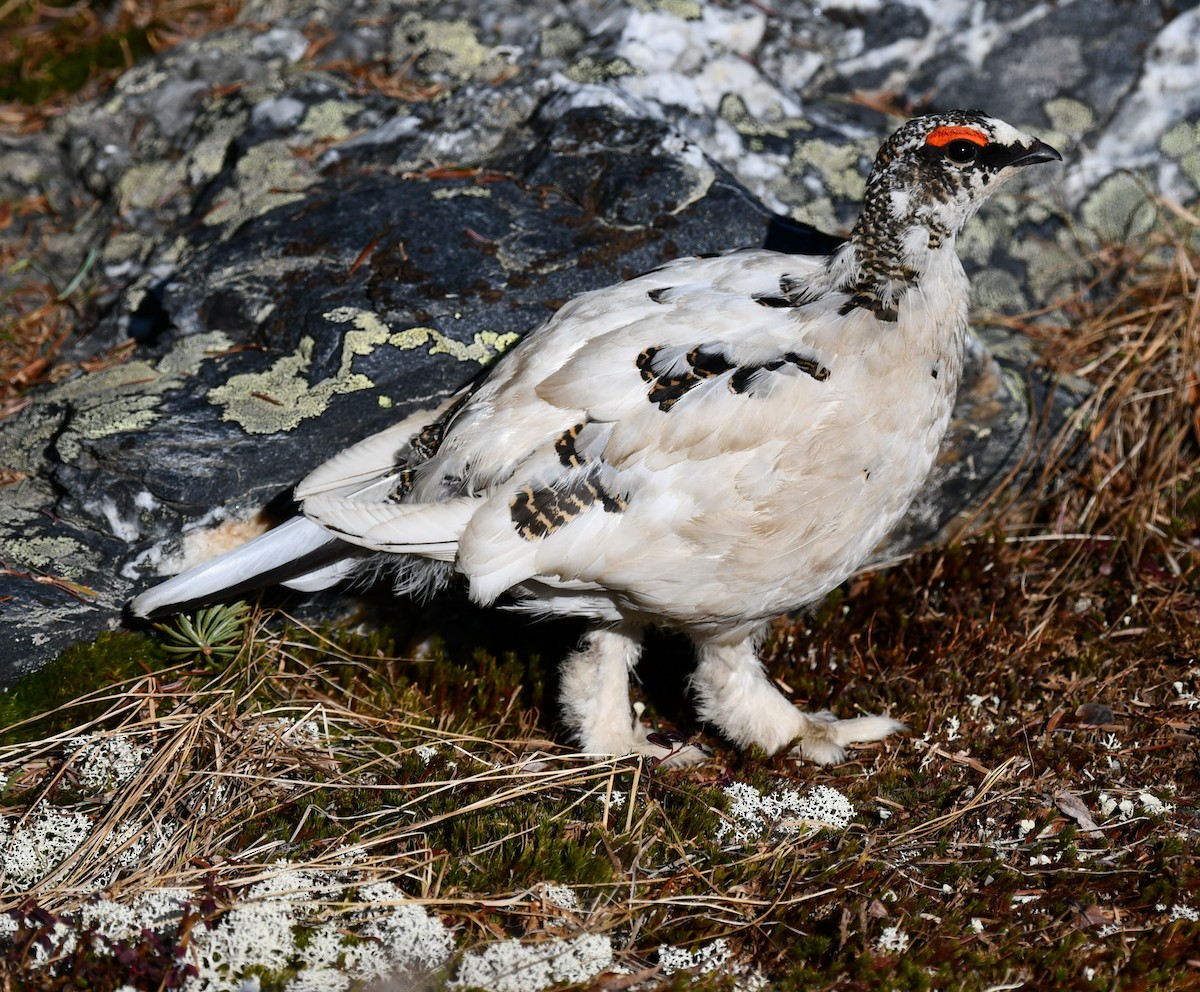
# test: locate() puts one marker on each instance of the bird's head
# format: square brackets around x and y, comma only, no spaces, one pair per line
[936,170]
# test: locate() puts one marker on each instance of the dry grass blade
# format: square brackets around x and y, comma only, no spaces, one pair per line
[983,795]
[1143,354]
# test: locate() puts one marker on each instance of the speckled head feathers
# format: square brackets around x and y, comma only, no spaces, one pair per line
[957,157]
[929,177]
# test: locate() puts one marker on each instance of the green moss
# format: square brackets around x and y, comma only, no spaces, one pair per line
[691,812]
[517,843]
[111,658]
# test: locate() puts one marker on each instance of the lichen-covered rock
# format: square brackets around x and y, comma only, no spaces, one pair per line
[310,224]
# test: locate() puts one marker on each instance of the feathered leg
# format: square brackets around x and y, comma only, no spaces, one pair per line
[734,693]
[595,701]
[595,692]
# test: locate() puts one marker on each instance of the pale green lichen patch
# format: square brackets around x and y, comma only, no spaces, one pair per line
[734,110]
[115,414]
[559,40]
[484,347]
[145,78]
[819,212]
[1051,273]
[1182,143]
[451,192]
[838,164]
[23,545]
[44,552]
[367,322]
[979,236]
[592,70]
[59,562]
[124,246]
[148,185]
[329,119]
[209,155]
[268,176]
[23,440]
[23,506]
[143,186]
[994,289]
[281,397]
[1119,209]
[185,358]
[125,397]
[455,47]
[449,47]
[685,10]
[1070,120]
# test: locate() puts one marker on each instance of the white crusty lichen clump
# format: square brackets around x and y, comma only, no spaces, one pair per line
[511,966]
[313,931]
[32,847]
[106,761]
[710,958]
[395,935]
[784,811]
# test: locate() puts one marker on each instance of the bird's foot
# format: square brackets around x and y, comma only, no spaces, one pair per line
[824,738]
[665,749]
[670,753]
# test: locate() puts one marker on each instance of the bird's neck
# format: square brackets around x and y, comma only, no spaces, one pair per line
[891,249]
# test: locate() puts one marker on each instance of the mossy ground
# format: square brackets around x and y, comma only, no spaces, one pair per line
[48,50]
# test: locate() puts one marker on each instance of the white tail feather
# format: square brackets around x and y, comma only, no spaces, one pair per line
[428,529]
[275,549]
[323,578]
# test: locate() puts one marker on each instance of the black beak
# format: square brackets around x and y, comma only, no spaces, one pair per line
[1039,151]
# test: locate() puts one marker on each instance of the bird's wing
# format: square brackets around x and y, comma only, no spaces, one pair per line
[430,530]
[663,358]
[632,414]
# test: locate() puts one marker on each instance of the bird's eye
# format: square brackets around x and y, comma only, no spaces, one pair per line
[962,152]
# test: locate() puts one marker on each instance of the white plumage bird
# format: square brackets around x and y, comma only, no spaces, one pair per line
[703,448]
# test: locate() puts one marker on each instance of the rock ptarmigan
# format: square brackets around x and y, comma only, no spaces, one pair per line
[703,448]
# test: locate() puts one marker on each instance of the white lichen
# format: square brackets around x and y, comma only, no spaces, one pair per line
[395,936]
[511,966]
[31,849]
[784,811]
[706,958]
[256,934]
[893,940]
